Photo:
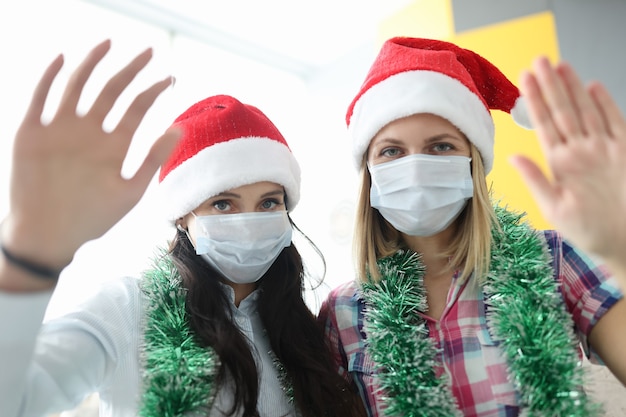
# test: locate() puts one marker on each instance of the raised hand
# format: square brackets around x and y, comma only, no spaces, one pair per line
[66,184]
[583,136]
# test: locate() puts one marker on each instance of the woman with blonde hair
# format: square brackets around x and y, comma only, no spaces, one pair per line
[460,307]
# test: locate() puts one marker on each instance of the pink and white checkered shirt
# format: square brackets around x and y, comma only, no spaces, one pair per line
[472,360]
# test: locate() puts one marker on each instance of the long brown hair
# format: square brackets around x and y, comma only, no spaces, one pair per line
[295,336]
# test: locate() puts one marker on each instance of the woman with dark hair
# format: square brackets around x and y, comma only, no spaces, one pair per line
[217,326]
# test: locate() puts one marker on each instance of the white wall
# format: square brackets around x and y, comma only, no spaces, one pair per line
[33,32]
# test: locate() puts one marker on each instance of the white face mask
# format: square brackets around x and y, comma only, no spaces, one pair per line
[421,195]
[242,246]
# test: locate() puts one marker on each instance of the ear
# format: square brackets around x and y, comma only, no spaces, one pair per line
[181,225]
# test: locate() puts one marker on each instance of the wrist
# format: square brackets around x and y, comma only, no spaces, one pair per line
[22,269]
[14,279]
[33,268]
[24,243]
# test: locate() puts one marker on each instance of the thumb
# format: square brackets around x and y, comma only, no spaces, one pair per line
[159,152]
[536,181]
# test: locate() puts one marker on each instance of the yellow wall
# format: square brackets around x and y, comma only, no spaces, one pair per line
[511,46]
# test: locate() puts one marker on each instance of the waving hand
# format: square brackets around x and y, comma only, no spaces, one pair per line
[583,136]
[66,184]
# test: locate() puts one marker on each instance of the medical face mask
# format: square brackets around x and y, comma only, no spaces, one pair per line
[243,246]
[421,195]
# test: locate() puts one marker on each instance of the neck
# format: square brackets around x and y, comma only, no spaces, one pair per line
[241,290]
[431,249]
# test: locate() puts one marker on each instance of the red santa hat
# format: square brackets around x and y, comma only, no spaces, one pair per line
[225,144]
[412,75]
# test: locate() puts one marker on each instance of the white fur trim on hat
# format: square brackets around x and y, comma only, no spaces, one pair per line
[520,115]
[413,92]
[225,166]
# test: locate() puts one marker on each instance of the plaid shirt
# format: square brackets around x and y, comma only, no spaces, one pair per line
[473,361]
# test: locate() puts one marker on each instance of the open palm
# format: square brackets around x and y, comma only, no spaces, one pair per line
[583,136]
[66,181]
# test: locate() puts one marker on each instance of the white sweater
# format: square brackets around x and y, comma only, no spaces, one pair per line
[49,368]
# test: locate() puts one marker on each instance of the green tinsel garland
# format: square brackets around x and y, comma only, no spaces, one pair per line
[398,341]
[283,377]
[525,314]
[179,374]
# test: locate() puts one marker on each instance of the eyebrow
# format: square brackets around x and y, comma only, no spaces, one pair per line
[388,141]
[273,193]
[235,195]
[443,136]
[226,194]
[432,139]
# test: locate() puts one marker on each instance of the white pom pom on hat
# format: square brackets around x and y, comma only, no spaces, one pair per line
[225,144]
[415,75]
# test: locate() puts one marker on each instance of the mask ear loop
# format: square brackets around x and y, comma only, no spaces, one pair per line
[181,228]
[186,231]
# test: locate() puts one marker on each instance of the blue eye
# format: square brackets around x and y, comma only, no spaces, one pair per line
[221,205]
[442,147]
[390,152]
[270,204]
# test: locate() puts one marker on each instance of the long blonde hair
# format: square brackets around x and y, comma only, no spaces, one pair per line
[470,249]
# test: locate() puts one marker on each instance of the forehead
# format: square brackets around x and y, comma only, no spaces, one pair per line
[255,191]
[258,187]
[421,121]
[421,126]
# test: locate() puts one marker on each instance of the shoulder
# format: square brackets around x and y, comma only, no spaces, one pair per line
[122,291]
[568,259]
[117,300]
[559,245]
[553,239]
[344,294]
[342,306]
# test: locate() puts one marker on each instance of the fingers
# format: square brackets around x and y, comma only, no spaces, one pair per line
[138,109]
[33,114]
[584,108]
[117,84]
[539,112]
[540,187]
[69,100]
[560,103]
[557,98]
[611,113]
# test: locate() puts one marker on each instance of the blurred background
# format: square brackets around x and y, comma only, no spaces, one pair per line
[300,63]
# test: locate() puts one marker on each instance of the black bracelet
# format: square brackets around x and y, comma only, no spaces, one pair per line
[38,270]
